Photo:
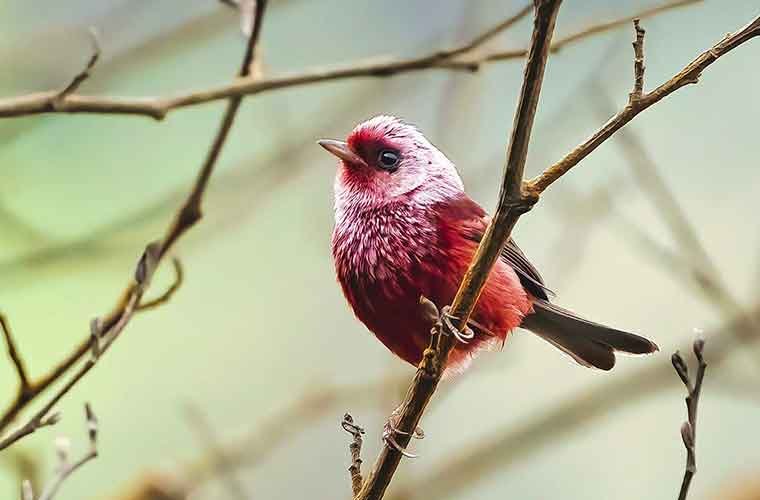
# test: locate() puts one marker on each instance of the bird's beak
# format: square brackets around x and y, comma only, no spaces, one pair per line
[342,151]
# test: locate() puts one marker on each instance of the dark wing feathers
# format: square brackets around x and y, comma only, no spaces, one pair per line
[529,276]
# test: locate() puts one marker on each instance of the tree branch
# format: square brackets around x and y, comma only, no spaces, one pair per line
[689,428]
[24,386]
[66,469]
[638,62]
[688,75]
[512,201]
[355,449]
[503,448]
[694,260]
[512,204]
[106,330]
[450,59]
[37,387]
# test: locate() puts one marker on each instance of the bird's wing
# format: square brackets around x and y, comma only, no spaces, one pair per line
[473,219]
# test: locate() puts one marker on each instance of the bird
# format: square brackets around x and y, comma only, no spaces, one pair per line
[405,228]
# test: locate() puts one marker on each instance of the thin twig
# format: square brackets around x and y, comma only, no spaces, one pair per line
[638,61]
[689,428]
[512,201]
[355,449]
[512,204]
[688,75]
[83,75]
[158,108]
[65,468]
[512,444]
[18,363]
[110,327]
[694,260]
[179,278]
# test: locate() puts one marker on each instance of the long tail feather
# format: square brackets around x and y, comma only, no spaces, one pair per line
[589,343]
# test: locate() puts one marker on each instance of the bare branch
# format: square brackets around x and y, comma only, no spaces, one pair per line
[506,447]
[689,428]
[638,61]
[694,262]
[355,449]
[23,379]
[512,204]
[65,468]
[110,327]
[179,278]
[451,59]
[83,75]
[688,75]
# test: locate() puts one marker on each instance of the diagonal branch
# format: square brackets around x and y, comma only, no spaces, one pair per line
[507,446]
[106,330]
[689,428]
[512,204]
[37,387]
[24,385]
[688,75]
[459,58]
[694,261]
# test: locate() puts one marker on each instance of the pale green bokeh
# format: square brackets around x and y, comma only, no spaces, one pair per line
[260,319]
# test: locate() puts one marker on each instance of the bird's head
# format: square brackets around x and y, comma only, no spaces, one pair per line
[384,158]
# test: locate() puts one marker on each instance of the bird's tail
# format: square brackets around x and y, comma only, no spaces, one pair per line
[588,343]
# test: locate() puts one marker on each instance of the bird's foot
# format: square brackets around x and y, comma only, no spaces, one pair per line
[390,430]
[449,328]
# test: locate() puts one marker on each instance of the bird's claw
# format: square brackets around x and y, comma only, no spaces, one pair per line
[390,430]
[449,328]
[390,442]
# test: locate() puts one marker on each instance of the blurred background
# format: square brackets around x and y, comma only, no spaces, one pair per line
[258,355]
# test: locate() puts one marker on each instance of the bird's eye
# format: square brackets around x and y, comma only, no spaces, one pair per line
[388,160]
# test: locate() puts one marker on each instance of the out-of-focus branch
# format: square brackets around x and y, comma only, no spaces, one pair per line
[457,58]
[355,449]
[66,468]
[106,330]
[512,204]
[503,448]
[24,386]
[28,391]
[694,260]
[688,75]
[218,455]
[689,428]
[463,466]
[179,278]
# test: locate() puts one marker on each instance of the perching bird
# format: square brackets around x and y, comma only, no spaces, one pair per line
[405,228]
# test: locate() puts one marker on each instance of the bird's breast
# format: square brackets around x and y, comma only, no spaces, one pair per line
[382,244]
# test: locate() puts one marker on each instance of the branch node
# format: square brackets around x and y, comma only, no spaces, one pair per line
[96,330]
[147,264]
